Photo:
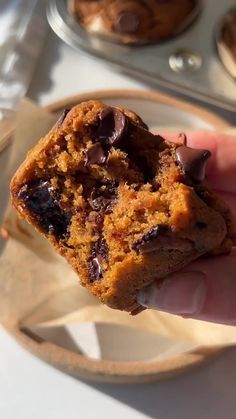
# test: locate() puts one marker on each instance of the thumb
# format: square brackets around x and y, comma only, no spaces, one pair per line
[204,290]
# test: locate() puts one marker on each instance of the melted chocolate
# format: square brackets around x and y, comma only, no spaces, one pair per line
[148,238]
[109,132]
[43,201]
[100,249]
[193,162]
[96,155]
[95,270]
[99,253]
[112,127]
[103,197]
[161,237]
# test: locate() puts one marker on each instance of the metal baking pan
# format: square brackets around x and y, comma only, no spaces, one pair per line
[188,64]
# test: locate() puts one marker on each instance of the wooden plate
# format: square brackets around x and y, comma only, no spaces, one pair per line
[157,109]
[163,112]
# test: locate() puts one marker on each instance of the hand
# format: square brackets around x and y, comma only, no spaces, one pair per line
[205,289]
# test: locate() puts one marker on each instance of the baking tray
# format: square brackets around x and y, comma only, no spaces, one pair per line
[188,64]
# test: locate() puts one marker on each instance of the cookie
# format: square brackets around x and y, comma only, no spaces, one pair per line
[134,21]
[123,206]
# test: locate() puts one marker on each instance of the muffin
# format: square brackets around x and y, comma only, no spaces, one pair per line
[134,21]
[123,206]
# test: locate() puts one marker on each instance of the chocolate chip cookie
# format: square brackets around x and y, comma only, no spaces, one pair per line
[134,21]
[123,206]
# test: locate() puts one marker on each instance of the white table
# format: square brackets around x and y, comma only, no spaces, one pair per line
[31,389]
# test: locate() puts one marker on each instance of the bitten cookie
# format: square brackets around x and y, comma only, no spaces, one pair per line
[134,21]
[122,205]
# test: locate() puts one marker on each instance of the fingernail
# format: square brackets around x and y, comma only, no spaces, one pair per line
[181,293]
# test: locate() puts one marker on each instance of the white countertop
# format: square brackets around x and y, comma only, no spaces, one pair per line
[31,389]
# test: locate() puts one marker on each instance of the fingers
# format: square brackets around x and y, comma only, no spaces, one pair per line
[221,169]
[204,290]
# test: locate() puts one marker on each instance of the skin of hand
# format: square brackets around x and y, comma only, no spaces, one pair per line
[205,289]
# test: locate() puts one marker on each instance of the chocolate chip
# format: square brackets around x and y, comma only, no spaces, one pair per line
[95,270]
[99,220]
[103,196]
[161,237]
[99,253]
[109,132]
[193,162]
[146,241]
[100,249]
[95,155]
[43,201]
[141,162]
[127,22]
[63,115]
[99,203]
[112,127]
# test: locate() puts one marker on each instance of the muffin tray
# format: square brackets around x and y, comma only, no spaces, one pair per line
[188,64]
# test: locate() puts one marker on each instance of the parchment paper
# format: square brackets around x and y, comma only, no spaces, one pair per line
[38,289]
